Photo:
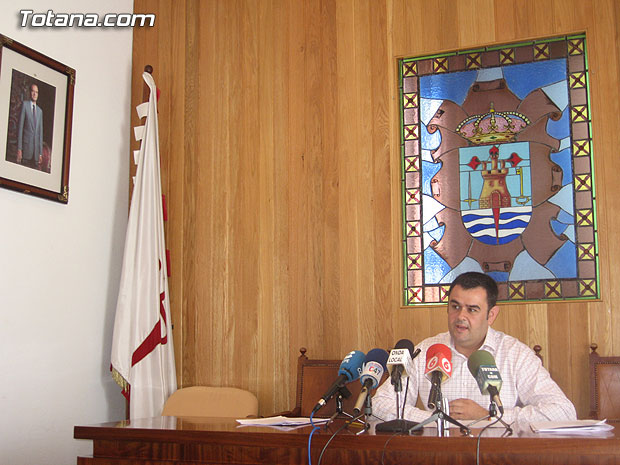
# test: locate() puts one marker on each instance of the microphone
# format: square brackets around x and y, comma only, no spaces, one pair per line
[374,367]
[399,362]
[482,366]
[350,369]
[438,369]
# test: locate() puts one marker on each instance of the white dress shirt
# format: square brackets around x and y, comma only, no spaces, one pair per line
[528,393]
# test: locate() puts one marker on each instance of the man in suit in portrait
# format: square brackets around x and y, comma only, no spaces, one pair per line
[30,131]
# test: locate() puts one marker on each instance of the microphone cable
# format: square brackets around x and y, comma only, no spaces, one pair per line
[508,429]
[315,428]
[402,416]
[345,425]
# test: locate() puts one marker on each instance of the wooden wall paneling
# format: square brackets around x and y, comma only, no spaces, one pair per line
[285,351]
[559,324]
[249,312]
[346,122]
[578,362]
[361,172]
[186,203]
[266,218]
[605,108]
[476,22]
[537,329]
[333,323]
[174,149]
[385,270]
[283,123]
[297,184]
[313,162]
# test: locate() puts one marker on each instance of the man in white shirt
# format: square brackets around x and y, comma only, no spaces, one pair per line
[528,393]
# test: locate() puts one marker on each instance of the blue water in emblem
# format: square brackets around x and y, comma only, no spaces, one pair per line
[512,222]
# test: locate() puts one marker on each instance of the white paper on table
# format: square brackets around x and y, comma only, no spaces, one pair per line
[576,426]
[281,421]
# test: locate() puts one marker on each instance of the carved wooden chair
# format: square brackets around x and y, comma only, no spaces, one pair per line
[604,386]
[314,377]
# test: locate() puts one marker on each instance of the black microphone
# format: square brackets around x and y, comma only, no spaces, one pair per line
[350,369]
[399,363]
[374,367]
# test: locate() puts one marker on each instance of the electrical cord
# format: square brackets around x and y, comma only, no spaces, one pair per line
[314,430]
[508,430]
[345,425]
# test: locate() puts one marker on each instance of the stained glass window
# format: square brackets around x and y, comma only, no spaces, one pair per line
[497,172]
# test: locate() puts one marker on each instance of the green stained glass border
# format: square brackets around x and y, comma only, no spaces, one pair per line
[418,289]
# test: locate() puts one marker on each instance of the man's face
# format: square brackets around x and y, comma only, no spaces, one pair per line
[469,318]
[34,92]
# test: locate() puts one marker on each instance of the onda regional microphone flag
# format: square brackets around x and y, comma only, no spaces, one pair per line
[142,349]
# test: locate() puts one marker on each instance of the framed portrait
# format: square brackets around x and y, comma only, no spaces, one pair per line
[36,108]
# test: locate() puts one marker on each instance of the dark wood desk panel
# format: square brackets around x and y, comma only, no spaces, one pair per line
[171,440]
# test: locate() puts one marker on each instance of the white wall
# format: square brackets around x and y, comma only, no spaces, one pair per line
[60,264]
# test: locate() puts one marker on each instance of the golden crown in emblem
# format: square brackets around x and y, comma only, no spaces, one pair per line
[493,127]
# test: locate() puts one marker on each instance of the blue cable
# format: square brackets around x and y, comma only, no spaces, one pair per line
[314,428]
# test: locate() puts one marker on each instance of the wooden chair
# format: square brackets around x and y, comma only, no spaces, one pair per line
[314,377]
[208,401]
[604,386]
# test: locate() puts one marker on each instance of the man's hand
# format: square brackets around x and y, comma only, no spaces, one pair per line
[466,409]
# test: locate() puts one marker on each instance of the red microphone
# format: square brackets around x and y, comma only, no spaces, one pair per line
[438,369]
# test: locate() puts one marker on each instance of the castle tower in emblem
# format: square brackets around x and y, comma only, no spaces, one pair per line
[494,192]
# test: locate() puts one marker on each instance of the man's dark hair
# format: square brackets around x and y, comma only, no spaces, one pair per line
[473,279]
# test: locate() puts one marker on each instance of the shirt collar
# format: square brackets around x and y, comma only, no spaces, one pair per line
[490,344]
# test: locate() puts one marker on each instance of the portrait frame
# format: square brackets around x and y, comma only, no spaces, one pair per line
[36,112]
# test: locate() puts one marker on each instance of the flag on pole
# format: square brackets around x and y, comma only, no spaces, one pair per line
[142,348]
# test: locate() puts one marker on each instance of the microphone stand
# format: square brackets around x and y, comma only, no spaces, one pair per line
[440,417]
[399,425]
[493,413]
[343,392]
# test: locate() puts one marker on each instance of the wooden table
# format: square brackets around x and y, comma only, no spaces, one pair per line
[172,440]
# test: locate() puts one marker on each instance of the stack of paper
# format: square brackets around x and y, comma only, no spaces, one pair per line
[577,426]
[282,423]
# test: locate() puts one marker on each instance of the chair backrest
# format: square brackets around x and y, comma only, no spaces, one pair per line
[208,401]
[604,386]
[314,377]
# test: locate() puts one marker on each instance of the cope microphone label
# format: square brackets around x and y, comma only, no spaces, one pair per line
[374,369]
[433,363]
[490,373]
[396,356]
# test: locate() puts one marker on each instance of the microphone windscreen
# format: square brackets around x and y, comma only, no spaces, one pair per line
[439,358]
[375,365]
[377,355]
[477,359]
[405,344]
[482,366]
[351,365]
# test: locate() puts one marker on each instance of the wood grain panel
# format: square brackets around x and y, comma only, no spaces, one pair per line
[281,165]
